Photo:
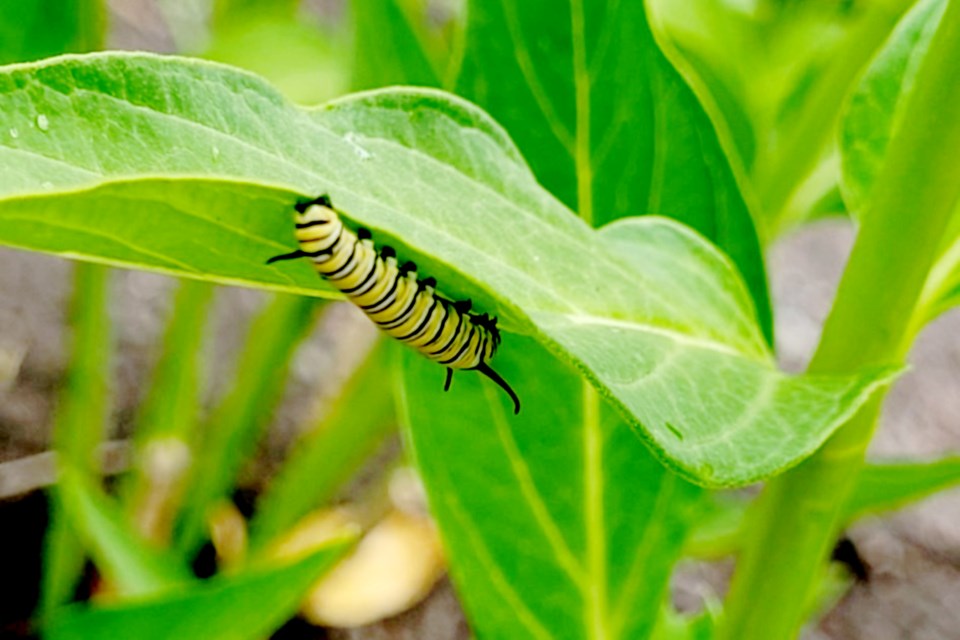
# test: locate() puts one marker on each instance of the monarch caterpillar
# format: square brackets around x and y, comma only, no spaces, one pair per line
[401,304]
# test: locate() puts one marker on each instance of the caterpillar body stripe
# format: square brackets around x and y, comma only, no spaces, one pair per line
[393,297]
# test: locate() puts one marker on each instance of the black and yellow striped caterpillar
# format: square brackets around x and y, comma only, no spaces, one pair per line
[407,308]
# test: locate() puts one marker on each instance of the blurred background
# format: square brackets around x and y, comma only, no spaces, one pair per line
[774,72]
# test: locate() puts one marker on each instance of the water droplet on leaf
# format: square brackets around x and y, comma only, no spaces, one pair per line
[351,139]
[43,123]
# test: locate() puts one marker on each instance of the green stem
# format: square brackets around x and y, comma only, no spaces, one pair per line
[324,459]
[169,414]
[238,421]
[82,415]
[796,519]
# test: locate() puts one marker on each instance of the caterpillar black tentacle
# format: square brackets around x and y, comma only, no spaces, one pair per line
[393,297]
[485,369]
[293,255]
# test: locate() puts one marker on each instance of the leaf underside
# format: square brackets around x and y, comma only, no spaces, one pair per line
[191,168]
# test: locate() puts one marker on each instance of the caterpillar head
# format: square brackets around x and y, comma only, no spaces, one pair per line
[316,211]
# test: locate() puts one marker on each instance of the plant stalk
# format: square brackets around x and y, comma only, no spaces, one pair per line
[82,415]
[795,521]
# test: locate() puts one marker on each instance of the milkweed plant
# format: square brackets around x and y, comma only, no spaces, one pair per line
[600,177]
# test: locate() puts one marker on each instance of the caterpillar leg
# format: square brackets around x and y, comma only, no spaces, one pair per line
[485,369]
[446,384]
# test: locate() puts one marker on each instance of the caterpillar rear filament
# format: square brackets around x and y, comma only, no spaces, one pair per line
[404,306]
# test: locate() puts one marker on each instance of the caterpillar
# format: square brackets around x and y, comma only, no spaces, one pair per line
[393,297]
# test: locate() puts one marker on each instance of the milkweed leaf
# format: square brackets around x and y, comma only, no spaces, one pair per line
[33,29]
[245,605]
[606,122]
[562,525]
[191,168]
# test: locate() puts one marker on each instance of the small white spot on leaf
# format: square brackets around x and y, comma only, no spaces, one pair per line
[362,153]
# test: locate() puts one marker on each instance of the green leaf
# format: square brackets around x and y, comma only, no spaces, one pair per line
[246,605]
[180,228]
[606,122]
[876,106]
[33,29]
[390,46]
[561,524]
[888,486]
[779,74]
[311,66]
[63,560]
[775,412]
[872,119]
[604,344]
[126,560]
[942,289]
[720,41]
[655,317]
